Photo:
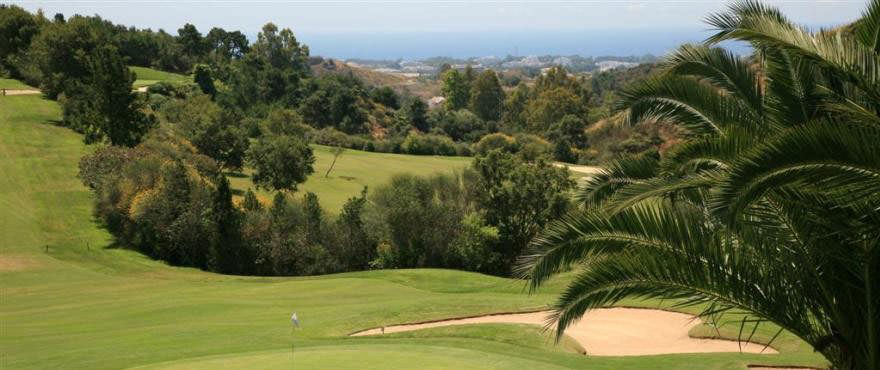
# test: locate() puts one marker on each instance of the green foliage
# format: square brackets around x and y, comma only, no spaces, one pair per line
[191,42]
[155,198]
[492,142]
[515,106]
[335,101]
[460,125]
[549,106]
[17,29]
[566,134]
[428,144]
[227,253]
[213,131]
[285,122]
[222,140]
[203,76]
[416,114]
[64,53]
[280,162]
[456,89]
[100,104]
[272,71]
[487,97]
[769,206]
[418,219]
[357,248]
[519,198]
[386,96]
[250,202]
[472,248]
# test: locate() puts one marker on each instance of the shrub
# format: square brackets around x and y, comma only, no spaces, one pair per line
[492,142]
[428,144]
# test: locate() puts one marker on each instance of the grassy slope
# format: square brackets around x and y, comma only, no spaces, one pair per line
[8,83]
[148,76]
[355,169]
[85,304]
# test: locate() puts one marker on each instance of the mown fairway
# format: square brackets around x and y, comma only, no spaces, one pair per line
[85,303]
[8,83]
[148,76]
[355,169]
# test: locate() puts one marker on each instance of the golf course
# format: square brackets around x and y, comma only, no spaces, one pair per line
[73,298]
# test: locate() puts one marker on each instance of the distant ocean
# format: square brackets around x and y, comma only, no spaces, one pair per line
[475,44]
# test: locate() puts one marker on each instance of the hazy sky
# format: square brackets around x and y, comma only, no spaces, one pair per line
[320,19]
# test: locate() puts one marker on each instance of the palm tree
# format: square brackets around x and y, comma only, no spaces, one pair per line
[770,205]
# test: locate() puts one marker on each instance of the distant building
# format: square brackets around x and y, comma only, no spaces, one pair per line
[607,65]
[562,61]
[435,101]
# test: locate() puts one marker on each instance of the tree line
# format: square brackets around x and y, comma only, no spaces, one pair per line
[166,199]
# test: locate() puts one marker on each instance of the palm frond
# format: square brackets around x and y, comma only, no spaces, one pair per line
[613,176]
[867,28]
[722,69]
[843,160]
[685,101]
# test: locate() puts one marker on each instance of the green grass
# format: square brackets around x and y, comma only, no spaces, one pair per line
[85,304]
[355,169]
[148,76]
[8,83]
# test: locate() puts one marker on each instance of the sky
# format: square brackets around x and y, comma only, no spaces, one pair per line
[423,28]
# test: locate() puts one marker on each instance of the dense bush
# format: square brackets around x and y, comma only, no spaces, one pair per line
[428,144]
[171,203]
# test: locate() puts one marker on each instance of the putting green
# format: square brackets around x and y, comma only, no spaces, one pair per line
[363,357]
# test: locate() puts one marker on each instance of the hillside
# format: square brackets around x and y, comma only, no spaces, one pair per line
[355,169]
[420,87]
[72,298]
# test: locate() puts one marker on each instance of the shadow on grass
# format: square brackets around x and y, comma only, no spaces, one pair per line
[238,175]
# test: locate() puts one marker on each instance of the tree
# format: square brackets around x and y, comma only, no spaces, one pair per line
[280,162]
[487,97]
[565,134]
[335,101]
[417,114]
[100,102]
[385,96]
[549,106]
[768,207]
[222,140]
[193,45]
[519,198]
[250,202]
[17,28]
[63,52]
[314,217]
[459,125]
[357,247]
[227,252]
[270,72]
[456,89]
[337,151]
[515,108]
[203,76]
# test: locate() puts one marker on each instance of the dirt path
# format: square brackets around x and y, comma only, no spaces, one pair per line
[612,332]
[589,170]
[20,92]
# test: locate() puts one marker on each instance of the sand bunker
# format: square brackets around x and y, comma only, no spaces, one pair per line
[613,332]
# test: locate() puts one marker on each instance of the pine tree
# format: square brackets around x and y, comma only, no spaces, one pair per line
[487,97]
